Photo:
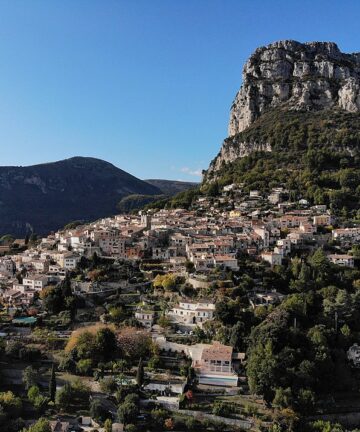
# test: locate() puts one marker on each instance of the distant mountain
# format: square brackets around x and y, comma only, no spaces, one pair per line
[168,189]
[45,197]
[171,187]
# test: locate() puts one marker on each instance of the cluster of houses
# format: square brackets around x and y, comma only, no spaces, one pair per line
[207,240]
[24,275]
[212,234]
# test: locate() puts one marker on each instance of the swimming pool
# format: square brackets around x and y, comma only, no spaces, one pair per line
[24,320]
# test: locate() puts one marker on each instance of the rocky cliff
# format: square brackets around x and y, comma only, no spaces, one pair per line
[293,76]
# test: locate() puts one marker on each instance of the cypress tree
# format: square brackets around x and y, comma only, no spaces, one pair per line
[52,384]
[140,374]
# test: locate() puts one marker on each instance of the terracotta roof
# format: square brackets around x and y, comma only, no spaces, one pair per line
[217,351]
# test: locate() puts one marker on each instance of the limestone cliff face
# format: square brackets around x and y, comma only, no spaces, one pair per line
[296,76]
[308,76]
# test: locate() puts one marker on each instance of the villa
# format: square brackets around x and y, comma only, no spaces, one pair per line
[145,317]
[192,312]
[215,366]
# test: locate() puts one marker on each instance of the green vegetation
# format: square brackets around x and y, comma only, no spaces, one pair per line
[140,374]
[168,281]
[129,409]
[181,200]
[73,224]
[135,202]
[73,396]
[315,155]
[52,384]
[42,425]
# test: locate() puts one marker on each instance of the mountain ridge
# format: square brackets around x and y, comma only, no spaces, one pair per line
[44,197]
[171,187]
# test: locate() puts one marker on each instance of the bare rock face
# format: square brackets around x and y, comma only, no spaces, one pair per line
[309,76]
[233,149]
[293,76]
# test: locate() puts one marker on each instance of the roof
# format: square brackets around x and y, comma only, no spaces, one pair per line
[217,351]
[224,258]
[58,426]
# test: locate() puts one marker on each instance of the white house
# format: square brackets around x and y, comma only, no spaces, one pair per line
[227,261]
[214,367]
[342,259]
[192,312]
[145,317]
[69,260]
[272,258]
[37,282]
[346,234]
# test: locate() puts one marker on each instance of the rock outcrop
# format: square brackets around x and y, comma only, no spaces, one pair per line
[295,76]
[309,76]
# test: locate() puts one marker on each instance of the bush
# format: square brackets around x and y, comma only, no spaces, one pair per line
[67,364]
[98,411]
[154,362]
[190,423]
[76,393]
[84,367]
[223,409]
[108,385]
[30,376]
[158,416]
[127,412]
[42,425]
[12,405]
[33,393]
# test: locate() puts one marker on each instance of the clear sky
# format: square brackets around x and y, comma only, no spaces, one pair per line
[144,84]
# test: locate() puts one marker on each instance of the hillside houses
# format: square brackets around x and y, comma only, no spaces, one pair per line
[346,234]
[192,312]
[342,259]
[210,239]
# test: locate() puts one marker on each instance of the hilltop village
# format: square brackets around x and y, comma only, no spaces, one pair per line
[148,319]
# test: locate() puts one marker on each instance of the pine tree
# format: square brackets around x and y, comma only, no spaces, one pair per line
[140,374]
[52,384]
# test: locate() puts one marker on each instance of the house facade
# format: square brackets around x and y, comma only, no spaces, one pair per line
[215,366]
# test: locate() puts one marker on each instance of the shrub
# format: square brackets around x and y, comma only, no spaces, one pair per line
[84,367]
[98,410]
[108,385]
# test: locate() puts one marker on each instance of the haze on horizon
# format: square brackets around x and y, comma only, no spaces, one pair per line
[144,85]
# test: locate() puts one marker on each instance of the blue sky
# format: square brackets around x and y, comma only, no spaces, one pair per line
[144,84]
